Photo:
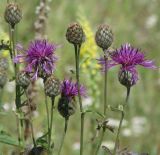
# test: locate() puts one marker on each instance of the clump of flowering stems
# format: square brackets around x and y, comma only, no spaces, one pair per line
[76,36]
[128,58]
[39,60]
[104,39]
[13,16]
[67,102]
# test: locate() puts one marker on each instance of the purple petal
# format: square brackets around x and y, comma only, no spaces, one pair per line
[148,64]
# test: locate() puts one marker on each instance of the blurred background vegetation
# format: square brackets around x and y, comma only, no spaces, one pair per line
[133,21]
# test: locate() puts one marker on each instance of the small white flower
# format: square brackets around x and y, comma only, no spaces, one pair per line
[76,146]
[126,132]
[88,101]
[6,106]
[138,125]
[151,21]
[115,122]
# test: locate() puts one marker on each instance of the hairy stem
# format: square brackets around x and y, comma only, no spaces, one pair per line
[62,141]
[77,53]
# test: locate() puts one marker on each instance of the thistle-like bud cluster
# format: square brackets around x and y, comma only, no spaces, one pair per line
[104,36]
[52,86]
[13,14]
[66,107]
[23,79]
[75,34]
[126,78]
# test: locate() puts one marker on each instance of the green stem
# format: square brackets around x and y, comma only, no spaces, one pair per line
[118,133]
[121,121]
[62,141]
[18,95]
[105,88]
[32,131]
[100,141]
[77,53]
[104,106]
[47,111]
[127,97]
[51,123]
[1,96]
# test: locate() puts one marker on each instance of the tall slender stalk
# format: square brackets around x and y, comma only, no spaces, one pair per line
[51,123]
[77,53]
[121,121]
[17,89]
[104,105]
[47,111]
[105,87]
[64,134]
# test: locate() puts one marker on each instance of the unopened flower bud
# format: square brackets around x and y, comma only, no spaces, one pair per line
[23,79]
[66,106]
[126,78]
[38,151]
[52,86]
[75,34]
[13,14]
[104,36]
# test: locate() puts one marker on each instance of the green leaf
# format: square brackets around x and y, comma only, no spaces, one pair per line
[7,139]
[96,112]
[42,141]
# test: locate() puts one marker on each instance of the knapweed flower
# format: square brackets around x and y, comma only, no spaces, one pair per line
[69,89]
[39,58]
[128,58]
[67,103]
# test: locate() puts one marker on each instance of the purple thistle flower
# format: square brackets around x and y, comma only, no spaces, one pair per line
[69,89]
[39,58]
[128,57]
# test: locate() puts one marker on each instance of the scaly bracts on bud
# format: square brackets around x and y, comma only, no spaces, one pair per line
[52,86]
[75,34]
[104,36]
[13,14]
[67,102]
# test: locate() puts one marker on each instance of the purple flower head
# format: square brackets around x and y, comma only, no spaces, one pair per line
[128,58]
[39,58]
[69,89]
